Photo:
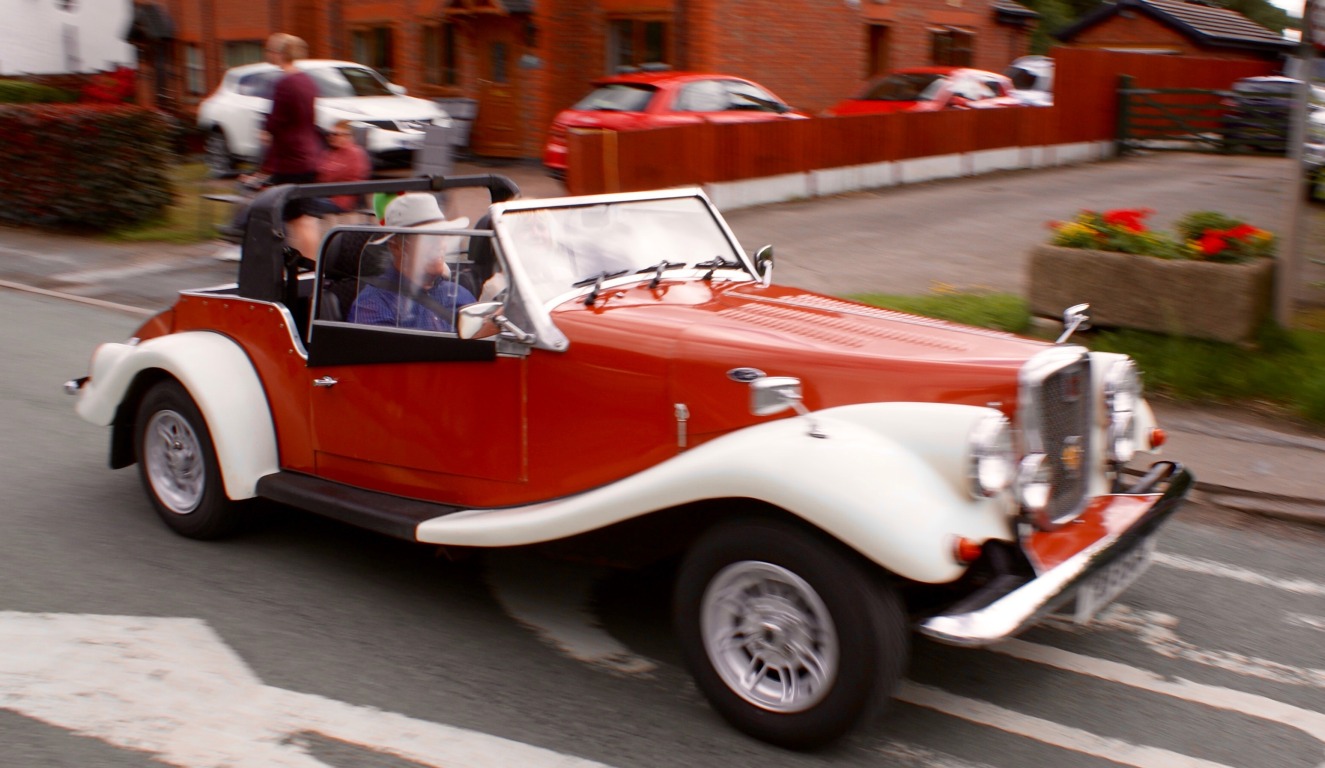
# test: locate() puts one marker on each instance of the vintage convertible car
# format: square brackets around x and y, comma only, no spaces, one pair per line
[827,476]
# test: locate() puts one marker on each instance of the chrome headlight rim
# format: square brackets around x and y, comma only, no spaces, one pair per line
[1122,397]
[1034,486]
[991,460]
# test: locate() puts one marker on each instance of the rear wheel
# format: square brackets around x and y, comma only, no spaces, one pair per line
[791,638]
[178,466]
[217,153]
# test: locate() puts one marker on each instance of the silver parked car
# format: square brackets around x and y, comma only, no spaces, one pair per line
[393,123]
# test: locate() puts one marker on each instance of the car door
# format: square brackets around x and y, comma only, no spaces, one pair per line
[422,414]
[247,111]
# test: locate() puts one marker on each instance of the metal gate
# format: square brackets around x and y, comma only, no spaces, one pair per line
[1197,120]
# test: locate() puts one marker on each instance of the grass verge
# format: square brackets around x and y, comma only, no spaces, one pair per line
[1286,371]
[190,219]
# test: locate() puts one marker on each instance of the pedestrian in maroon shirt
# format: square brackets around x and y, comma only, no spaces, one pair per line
[295,145]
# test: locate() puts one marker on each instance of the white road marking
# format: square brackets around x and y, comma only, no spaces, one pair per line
[1157,630]
[1047,731]
[1306,620]
[79,299]
[1249,704]
[1227,571]
[552,599]
[903,755]
[174,689]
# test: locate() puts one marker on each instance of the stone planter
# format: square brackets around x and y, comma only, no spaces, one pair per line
[1221,302]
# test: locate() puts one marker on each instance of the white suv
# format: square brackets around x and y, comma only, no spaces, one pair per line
[393,123]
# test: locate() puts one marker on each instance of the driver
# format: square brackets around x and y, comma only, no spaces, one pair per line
[416,290]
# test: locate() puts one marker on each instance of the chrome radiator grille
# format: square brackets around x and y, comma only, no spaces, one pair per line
[1058,390]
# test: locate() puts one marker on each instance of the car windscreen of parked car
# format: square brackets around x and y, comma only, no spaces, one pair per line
[910,86]
[617,97]
[340,82]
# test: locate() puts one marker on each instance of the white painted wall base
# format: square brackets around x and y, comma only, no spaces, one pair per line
[747,193]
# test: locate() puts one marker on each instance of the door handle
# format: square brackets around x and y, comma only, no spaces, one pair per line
[325,381]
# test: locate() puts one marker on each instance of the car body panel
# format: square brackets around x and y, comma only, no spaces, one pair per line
[930,89]
[221,380]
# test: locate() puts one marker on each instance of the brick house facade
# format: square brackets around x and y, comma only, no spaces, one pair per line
[523,60]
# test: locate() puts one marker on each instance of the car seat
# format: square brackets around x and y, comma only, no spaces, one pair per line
[347,259]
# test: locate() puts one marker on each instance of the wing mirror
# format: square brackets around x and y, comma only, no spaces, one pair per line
[764,264]
[1075,318]
[775,394]
[481,319]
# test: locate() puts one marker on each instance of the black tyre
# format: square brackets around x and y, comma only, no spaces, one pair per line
[792,639]
[216,151]
[178,466]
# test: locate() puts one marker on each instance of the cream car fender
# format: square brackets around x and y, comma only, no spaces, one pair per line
[889,480]
[220,379]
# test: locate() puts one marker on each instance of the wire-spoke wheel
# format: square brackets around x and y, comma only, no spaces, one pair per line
[792,638]
[178,466]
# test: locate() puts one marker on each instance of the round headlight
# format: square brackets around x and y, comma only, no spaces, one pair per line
[1122,395]
[991,457]
[1034,484]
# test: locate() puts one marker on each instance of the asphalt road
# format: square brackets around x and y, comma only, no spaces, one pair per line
[308,643]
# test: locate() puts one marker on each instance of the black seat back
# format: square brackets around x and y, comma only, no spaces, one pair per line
[347,258]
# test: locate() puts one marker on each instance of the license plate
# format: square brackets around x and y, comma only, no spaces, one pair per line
[1101,588]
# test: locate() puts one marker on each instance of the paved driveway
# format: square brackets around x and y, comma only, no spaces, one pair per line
[977,232]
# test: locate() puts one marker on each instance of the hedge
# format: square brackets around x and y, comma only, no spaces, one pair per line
[87,166]
[23,92]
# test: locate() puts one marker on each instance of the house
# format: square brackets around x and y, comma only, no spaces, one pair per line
[521,61]
[60,37]
[1175,27]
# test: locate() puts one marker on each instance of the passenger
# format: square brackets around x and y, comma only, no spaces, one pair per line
[416,290]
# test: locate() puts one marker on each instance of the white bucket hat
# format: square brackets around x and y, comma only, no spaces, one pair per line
[417,210]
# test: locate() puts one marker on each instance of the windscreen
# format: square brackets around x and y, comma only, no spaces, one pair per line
[616,97]
[565,248]
[905,87]
[340,82]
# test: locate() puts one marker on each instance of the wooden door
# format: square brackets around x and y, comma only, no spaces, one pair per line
[499,130]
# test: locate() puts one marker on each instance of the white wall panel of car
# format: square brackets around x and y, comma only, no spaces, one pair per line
[887,479]
[220,379]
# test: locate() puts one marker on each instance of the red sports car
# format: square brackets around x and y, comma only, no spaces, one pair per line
[930,89]
[641,100]
[615,377]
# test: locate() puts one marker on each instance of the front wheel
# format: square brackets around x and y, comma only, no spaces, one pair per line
[792,638]
[178,466]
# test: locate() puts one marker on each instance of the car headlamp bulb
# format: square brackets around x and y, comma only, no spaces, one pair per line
[1122,395]
[991,458]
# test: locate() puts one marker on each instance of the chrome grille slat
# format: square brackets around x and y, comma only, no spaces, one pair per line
[1057,401]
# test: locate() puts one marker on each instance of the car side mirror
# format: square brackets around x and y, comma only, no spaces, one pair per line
[764,264]
[775,394]
[474,318]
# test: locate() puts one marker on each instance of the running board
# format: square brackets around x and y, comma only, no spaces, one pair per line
[381,512]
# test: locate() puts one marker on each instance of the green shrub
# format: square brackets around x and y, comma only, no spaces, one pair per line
[22,92]
[96,167]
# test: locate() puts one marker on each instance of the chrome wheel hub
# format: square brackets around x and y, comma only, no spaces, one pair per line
[769,636]
[173,457]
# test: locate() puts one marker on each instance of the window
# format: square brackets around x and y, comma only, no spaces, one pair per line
[879,51]
[634,42]
[951,47]
[373,47]
[195,71]
[238,52]
[439,55]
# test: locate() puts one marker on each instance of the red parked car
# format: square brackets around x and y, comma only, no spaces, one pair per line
[640,100]
[930,89]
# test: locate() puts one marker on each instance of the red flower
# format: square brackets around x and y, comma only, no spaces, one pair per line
[1129,219]
[1212,242]
[1241,232]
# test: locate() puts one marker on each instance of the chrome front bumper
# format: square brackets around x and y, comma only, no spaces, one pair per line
[1010,604]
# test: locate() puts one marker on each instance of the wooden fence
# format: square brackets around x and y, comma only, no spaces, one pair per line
[1085,109]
